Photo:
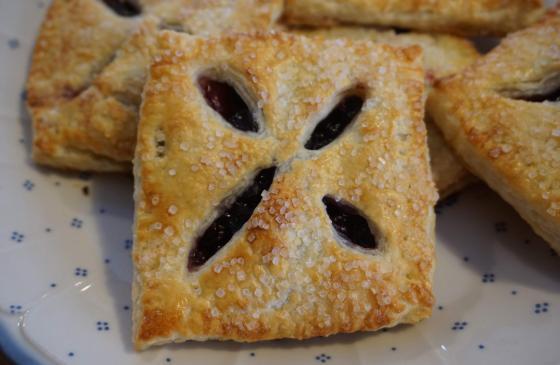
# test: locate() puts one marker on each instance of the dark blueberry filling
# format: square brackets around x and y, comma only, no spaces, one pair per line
[235,214]
[335,123]
[124,7]
[553,95]
[401,30]
[349,223]
[224,99]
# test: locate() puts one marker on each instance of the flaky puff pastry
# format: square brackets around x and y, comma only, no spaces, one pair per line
[496,117]
[465,17]
[286,273]
[443,56]
[89,66]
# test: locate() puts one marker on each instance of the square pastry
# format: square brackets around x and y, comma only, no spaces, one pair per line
[470,17]
[89,66]
[444,55]
[502,116]
[283,190]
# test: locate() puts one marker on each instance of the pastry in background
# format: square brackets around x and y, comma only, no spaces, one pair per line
[463,17]
[502,116]
[89,67]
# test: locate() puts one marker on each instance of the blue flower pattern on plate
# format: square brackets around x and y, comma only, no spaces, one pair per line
[28,185]
[15,309]
[81,272]
[500,227]
[76,223]
[541,308]
[322,358]
[488,278]
[102,326]
[17,236]
[459,326]
[128,244]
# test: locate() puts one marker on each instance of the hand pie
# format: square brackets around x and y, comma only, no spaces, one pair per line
[443,55]
[502,116]
[470,17]
[89,68]
[283,190]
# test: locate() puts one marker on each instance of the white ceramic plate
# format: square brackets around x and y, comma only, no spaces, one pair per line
[65,269]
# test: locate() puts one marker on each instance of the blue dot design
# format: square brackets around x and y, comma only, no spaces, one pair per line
[76,223]
[13,43]
[81,272]
[541,308]
[447,202]
[15,309]
[102,326]
[84,176]
[488,278]
[500,227]
[28,185]
[127,244]
[17,236]
[459,326]
[322,358]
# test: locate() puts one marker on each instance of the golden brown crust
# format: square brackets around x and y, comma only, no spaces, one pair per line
[511,144]
[454,16]
[89,67]
[284,274]
[448,171]
[443,55]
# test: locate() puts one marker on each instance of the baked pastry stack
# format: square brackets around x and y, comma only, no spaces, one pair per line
[285,175]
[502,116]
[90,65]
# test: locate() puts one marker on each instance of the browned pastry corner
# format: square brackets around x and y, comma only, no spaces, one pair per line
[463,17]
[89,67]
[502,116]
[260,222]
[444,55]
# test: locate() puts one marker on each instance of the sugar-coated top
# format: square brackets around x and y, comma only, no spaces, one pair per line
[286,273]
